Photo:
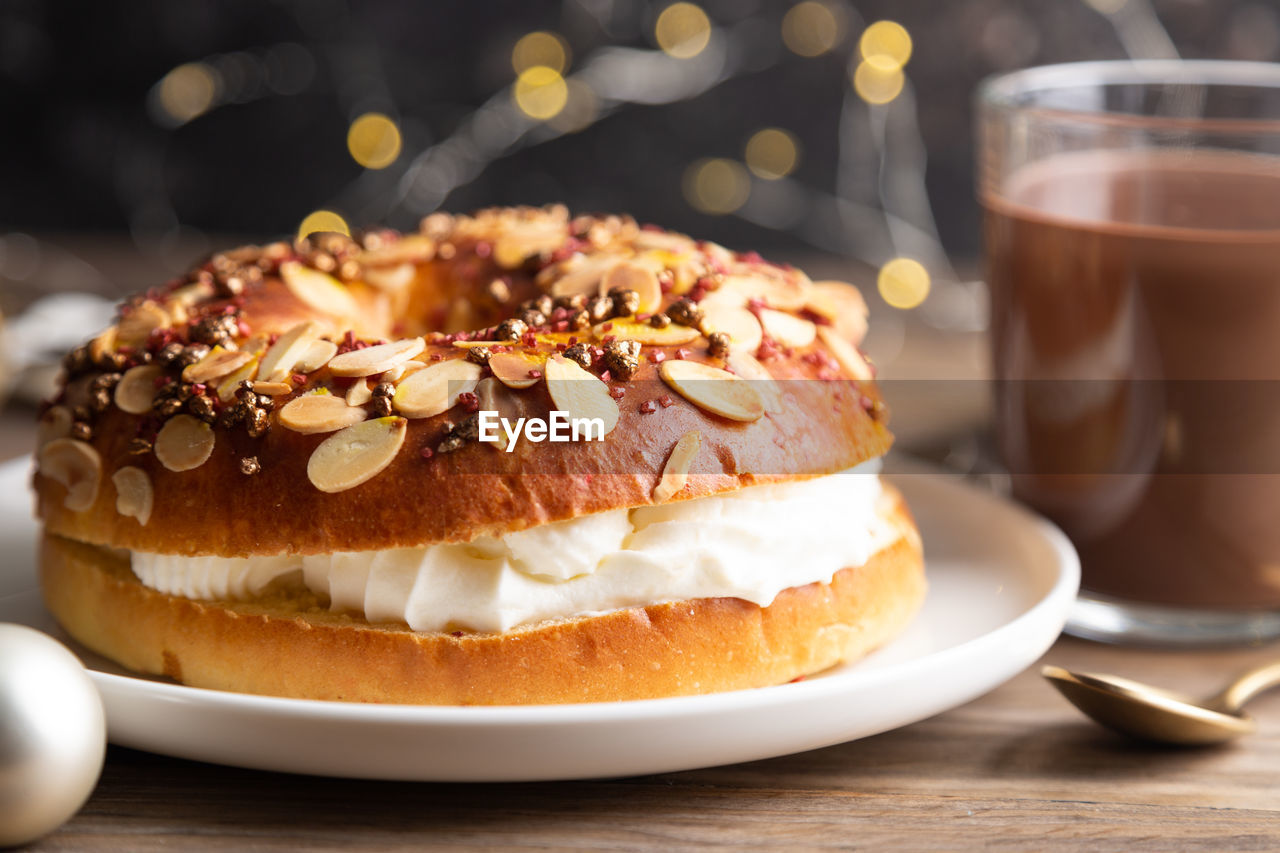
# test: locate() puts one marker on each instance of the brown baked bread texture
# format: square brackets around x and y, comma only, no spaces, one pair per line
[323,396]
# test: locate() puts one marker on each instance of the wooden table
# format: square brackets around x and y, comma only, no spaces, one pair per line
[1018,768]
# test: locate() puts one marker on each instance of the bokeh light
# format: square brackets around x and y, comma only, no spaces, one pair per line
[187,92]
[811,28]
[903,283]
[683,30]
[540,92]
[716,186]
[581,108]
[877,80]
[887,42]
[322,220]
[772,153]
[374,141]
[540,48]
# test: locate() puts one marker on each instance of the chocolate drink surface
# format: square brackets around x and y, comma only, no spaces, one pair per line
[1136,332]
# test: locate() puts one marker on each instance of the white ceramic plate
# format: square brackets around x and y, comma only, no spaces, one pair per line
[1001,581]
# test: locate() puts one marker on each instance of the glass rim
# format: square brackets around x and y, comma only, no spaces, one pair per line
[1000,92]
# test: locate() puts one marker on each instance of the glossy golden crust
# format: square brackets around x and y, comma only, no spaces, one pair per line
[289,647]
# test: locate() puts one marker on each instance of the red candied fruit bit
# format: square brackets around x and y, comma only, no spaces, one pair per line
[299,379]
[648,407]
[657,357]
[535,373]
[483,249]
[606,376]
[617,392]
[529,339]
[682,354]
[665,401]
[426,452]
[469,402]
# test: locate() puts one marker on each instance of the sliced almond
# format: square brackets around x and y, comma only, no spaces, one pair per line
[76,465]
[512,369]
[217,364]
[580,394]
[842,304]
[312,413]
[582,275]
[393,374]
[134,495]
[739,324]
[184,443]
[356,454]
[788,294]
[317,356]
[714,390]
[229,383]
[136,390]
[104,344]
[403,370]
[638,277]
[675,474]
[282,356]
[524,240]
[786,329]
[629,330]
[272,389]
[359,393]
[473,344]
[190,294]
[747,366]
[54,423]
[409,249]
[141,321]
[375,359]
[663,240]
[319,290]
[846,354]
[435,389]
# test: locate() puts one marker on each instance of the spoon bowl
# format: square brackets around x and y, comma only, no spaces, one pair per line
[1150,713]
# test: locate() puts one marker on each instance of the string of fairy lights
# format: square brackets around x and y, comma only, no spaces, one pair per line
[885,221]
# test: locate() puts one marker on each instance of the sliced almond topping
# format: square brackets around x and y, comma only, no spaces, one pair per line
[777,292]
[55,423]
[317,356]
[525,240]
[134,496]
[675,474]
[184,443]
[227,387]
[843,305]
[435,389]
[391,279]
[375,359]
[715,390]
[408,250]
[188,295]
[272,389]
[512,369]
[629,330]
[638,277]
[136,390]
[279,360]
[76,465]
[141,322]
[664,240]
[786,329]
[748,367]
[739,324]
[394,374]
[217,364]
[846,354]
[104,344]
[358,453]
[359,393]
[471,344]
[579,394]
[582,276]
[319,290]
[313,413]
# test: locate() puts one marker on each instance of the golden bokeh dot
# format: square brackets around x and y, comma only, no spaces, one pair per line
[683,30]
[887,41]
[716,186]
[772,153]
[877,81]
[540,92]
[581,108]
[540,48]
[188,91]
[322,220]
[903,283]
[374,141]
[810,28]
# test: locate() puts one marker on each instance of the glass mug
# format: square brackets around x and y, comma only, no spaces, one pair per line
[1132,229]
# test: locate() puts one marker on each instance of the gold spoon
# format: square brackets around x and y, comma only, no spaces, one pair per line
[1162,716]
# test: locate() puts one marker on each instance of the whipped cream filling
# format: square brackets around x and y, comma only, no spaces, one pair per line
[749,544]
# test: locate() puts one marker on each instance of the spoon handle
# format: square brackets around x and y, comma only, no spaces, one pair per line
[1246,686]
